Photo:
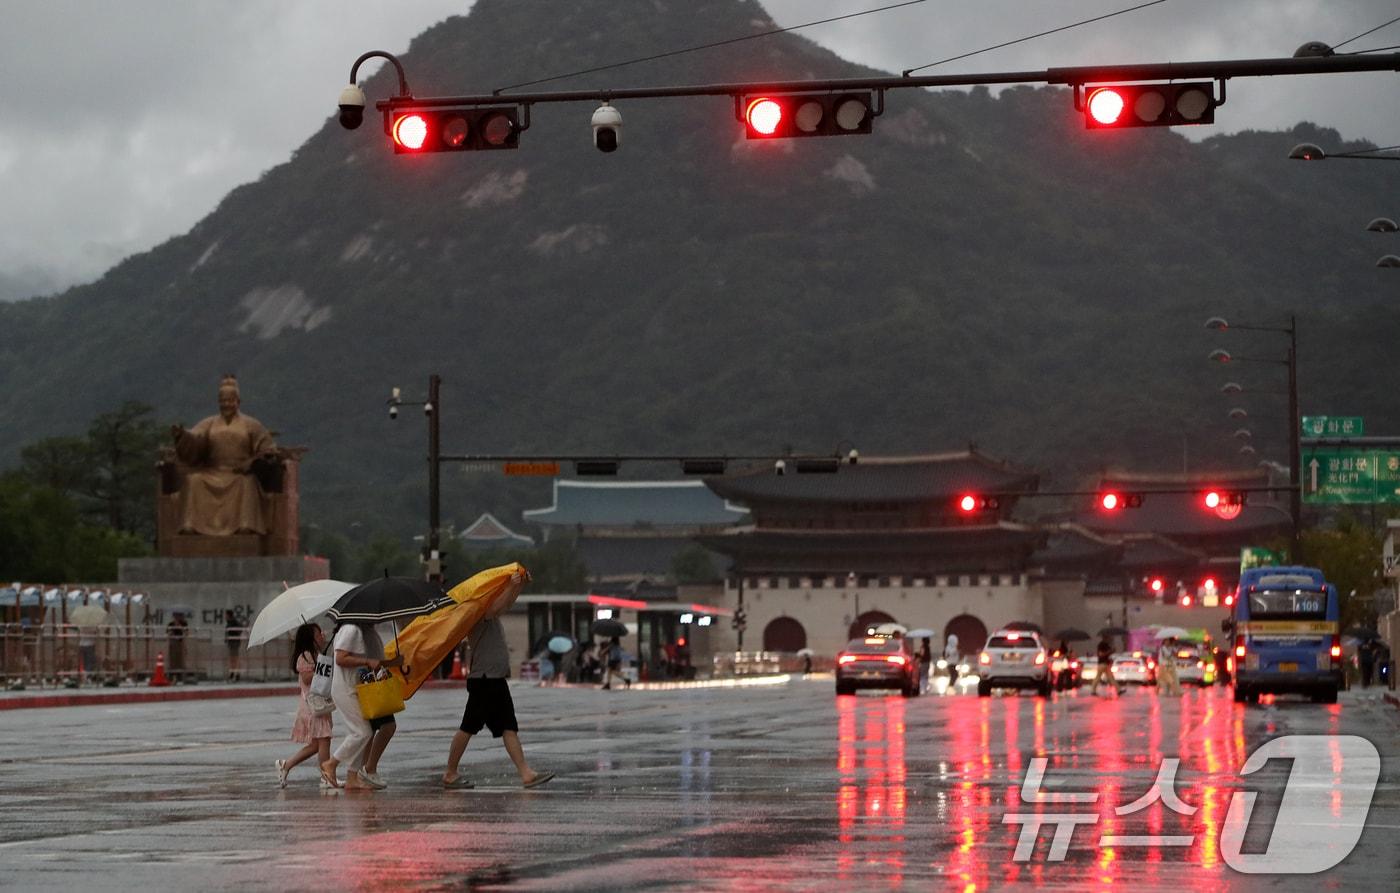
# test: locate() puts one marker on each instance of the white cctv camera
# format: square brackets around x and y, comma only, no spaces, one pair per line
[352,107]
[780,468]
[607,128]
[393,410]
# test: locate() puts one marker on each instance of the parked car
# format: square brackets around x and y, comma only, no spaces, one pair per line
[877,662]
[1014,659]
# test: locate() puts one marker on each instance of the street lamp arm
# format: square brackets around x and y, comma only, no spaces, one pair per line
[381,54]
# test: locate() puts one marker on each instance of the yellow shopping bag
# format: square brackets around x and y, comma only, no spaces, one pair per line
[380,697]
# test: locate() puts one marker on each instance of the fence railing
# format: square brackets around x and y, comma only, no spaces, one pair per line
[70,656]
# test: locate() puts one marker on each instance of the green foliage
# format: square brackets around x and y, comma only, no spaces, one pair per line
[1350,556]
[43,537]
[554,566]
[694,564]
[109,473]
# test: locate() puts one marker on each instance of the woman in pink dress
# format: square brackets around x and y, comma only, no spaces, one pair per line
[313,731]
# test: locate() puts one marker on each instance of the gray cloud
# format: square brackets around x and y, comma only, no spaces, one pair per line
[125,123]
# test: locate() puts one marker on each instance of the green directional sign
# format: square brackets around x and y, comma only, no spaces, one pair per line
[1333,426]
[1256,556]
[1337,475]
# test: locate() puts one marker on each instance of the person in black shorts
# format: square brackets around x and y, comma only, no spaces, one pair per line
[489,706]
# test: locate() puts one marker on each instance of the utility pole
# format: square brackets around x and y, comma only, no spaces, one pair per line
[433,410]
[1295,432]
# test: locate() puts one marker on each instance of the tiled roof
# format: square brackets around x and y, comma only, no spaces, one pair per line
[636,504]
[486,532]
[881,479]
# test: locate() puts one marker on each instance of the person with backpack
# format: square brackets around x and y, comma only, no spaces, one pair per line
[310,729]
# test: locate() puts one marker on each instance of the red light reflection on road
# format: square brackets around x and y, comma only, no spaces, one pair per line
[870,762]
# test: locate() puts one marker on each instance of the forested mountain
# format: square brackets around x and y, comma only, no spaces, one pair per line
[980,268]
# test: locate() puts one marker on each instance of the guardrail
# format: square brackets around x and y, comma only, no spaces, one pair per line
[70,656]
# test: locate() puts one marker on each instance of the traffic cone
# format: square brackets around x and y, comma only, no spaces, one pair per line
[158,678]
[457,671]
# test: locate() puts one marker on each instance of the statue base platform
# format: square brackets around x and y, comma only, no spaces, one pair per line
[207,586]
[195,545]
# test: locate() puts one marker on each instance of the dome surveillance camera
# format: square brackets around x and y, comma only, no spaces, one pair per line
[607,128]
[393,411]
[352,107]
[780,468]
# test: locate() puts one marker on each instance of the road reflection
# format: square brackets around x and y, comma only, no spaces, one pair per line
[872,792]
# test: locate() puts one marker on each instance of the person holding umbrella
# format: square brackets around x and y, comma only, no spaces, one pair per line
[358,647]
[489,706]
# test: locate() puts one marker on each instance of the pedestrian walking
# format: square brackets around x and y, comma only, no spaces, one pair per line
[357,647]
[1367,655]
[310,730]
[489,706]
[612,660]
[1168,682]
[588,664]
[1105,668]
[925,658]
[233,641]
[952,654]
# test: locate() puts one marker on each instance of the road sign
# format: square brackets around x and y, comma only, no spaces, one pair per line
[1337,475]
[536,469]
[1254,556]
[1333,426]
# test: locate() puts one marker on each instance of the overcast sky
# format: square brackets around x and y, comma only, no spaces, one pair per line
[122,124]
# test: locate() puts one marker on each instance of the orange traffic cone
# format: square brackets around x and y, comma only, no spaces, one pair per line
[457,671]
[158,678]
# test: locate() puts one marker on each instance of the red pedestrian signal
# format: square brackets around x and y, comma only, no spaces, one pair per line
[807,114]
[453,130]
[1149,105]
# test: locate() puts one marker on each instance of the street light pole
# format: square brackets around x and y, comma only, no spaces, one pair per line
[1295,432]
[434,412]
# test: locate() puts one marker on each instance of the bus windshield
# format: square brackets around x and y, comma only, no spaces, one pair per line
[1287,604]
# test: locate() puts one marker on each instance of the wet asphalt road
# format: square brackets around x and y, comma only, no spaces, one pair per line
[783,787]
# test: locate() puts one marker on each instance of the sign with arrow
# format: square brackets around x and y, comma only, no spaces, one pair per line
[1351,477]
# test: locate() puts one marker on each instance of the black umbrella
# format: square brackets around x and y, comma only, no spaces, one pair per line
[1072,635]
[1113,631]
[388,598]
[1023,626]
[608,628]
[1363,633]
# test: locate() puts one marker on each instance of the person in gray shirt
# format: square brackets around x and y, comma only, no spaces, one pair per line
[489,705]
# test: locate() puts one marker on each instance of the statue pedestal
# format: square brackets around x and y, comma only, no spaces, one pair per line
[211,585]
[193,545]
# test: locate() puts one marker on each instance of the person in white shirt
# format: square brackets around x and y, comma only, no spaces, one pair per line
[357,646]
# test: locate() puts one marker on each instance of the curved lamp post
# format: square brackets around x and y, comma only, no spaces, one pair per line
[1295,424]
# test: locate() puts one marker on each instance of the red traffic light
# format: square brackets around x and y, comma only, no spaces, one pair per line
[1156,584]
[1149,105]
[810,114]
[972,502]
[453,130]
[968,503]
[1208,583]
[1211,499]
[1109,501]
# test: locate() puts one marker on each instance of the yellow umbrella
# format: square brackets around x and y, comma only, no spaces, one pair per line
[430,639]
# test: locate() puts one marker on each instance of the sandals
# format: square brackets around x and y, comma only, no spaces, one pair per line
[282,771]
[328,780]
[459,783]
[539,779]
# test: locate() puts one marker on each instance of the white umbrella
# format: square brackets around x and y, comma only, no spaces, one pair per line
[295,606]
[1170,632]
[87,615]
[806,652]
[919,633]
[889,629]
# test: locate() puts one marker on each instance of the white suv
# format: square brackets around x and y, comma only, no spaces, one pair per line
[1013,658]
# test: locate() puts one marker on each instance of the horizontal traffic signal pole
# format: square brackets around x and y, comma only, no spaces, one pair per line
[1067,76]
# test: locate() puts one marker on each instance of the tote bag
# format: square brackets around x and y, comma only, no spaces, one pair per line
[319,696]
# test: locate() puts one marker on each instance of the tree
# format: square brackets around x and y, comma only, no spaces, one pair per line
[44,538]
[108,473]
[555,566]
[1349,555]
[694,564]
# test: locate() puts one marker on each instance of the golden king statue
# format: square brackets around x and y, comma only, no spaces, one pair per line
[221,495]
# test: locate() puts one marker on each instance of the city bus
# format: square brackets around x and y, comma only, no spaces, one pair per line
[1286,635]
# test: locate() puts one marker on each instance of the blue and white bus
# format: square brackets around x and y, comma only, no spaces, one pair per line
[1286,633]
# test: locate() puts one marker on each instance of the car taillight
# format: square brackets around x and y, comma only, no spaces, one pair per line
[895,659]
[1239,646]
[1229,665]
[1074,665]
[1200,665]
[1039,658]
[1336,648]
[984,658]
[1151,664]
[845,658]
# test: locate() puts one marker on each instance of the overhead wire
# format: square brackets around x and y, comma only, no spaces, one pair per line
[710,46]
[909,71]
[1364,33]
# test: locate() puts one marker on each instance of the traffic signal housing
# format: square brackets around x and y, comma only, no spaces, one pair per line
[1111,107]
[779,116]
[1214,499]
[973,502]
[418,131]
[1112,501]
